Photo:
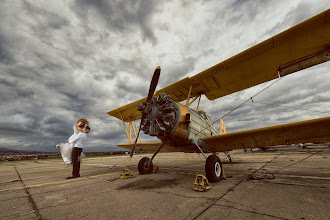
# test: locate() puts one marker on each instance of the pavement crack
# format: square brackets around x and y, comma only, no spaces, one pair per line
[34,205]
[295,184]
[253,212]
[302,159]
[179,195]
[215,200]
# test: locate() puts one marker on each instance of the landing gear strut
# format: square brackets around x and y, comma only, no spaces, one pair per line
[145,164]
[213,168]
[228,156]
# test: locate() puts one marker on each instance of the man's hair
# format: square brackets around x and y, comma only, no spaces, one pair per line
[84,120]
[88,129]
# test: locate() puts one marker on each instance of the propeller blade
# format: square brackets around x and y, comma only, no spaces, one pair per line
[153,83]
[151,92]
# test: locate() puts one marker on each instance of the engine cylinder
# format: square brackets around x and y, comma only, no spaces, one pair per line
[162,115]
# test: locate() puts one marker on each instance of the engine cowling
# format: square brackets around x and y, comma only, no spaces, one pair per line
[162,115]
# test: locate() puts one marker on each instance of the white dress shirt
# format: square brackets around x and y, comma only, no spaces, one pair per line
[79,140]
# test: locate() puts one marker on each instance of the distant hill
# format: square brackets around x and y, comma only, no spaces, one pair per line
[15,151]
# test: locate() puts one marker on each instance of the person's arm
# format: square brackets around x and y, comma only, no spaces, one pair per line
[74,140]
[75,128]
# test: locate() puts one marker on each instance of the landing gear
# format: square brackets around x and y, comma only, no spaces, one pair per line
[145,166]
[213,168]
[228,156]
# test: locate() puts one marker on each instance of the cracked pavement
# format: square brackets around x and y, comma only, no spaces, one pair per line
[300,189]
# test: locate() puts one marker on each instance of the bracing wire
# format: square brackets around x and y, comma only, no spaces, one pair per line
[251,98]
[277,105]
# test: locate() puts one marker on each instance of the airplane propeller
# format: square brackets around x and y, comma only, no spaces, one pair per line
[151,92]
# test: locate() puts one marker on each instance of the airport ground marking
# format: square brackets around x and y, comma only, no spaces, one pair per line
[57,182]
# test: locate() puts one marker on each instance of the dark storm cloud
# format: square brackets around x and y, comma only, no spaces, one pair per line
[52,20]
[13,88]
[177,71]
[5,54]
[82,59]
[44,97]
[3,51]
[122,16]
[294,16]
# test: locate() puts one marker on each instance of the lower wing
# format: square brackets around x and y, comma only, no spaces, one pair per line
[148,147]
[311,131]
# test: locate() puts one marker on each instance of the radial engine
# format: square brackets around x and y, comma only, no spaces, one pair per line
[162,115]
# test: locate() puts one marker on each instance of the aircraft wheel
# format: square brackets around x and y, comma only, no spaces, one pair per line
[143,166]
[213,168]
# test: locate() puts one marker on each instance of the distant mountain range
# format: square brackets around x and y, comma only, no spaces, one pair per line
[108,149]
[16,151]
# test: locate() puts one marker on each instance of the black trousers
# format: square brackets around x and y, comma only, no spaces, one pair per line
[76,153]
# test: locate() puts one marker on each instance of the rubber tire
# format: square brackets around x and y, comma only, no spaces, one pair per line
[210,169]
[142,167]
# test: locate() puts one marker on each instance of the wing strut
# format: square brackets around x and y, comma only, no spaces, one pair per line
[200,149]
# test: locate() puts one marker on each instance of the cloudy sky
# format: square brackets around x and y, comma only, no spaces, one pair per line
[62,60]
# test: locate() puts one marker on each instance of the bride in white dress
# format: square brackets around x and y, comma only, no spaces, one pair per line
[66,148]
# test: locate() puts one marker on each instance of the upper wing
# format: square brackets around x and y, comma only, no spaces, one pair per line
[148,147]
[127,112]
[299,47]
[316,130]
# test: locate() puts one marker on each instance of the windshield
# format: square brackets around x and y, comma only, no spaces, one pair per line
[205,115]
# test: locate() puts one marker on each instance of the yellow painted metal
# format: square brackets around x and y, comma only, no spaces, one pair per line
[223,175]
[299,47]
[130,141]
[222,127]
[311,131]
[126,173]
[128,111]
[193,101]
[199,100]
[138,131]
[135,135]
[261,62]
[130,128]
[201,183]
[189,94]
[156,169]
[148,147]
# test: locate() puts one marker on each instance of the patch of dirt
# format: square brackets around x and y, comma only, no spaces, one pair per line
[146,184]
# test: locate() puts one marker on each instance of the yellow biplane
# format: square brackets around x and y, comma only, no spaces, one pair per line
[181,128]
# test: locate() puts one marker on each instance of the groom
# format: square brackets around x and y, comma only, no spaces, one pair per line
[78,142]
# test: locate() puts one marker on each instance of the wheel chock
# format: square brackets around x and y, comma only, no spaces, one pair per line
[223,173]
[156,169]
[201,183]
[126,173]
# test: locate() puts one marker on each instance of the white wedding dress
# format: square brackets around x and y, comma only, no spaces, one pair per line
[66,149]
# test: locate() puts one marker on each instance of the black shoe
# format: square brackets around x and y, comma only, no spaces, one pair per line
[78,175]
[71,176]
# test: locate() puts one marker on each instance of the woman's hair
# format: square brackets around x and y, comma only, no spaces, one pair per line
[83,120]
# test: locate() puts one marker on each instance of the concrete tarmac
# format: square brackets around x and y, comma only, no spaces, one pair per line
[288,183]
